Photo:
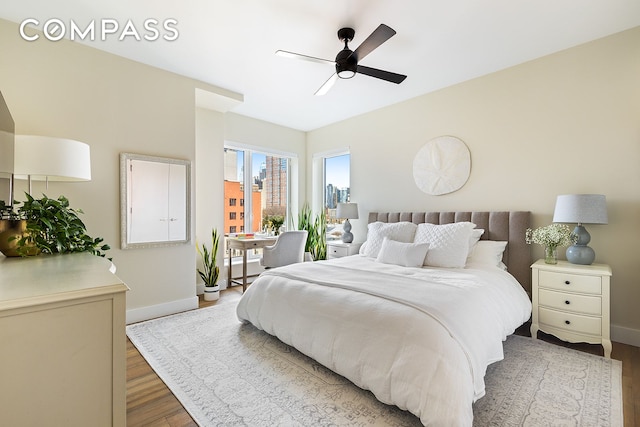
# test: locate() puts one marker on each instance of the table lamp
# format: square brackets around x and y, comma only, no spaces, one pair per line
[581,209]
[347,211]
[43,158]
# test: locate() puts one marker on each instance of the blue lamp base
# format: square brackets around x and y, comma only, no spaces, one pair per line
[347,236]
[580,253]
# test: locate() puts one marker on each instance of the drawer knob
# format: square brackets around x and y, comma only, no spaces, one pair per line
[567,302]
[568,322]
[567,282]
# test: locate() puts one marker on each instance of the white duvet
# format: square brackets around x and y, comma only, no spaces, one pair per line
[418,338]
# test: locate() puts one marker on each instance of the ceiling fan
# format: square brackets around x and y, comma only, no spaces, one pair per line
[346,61]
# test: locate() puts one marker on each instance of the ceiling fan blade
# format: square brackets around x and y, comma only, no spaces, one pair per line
[375,39]
[327,85]
[381,74]
[286,54]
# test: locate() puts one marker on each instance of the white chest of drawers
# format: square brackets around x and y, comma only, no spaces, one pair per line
[571,302]
[62,328]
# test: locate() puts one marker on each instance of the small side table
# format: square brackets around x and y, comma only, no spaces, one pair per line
[571,301]
[245,245]
[339,249]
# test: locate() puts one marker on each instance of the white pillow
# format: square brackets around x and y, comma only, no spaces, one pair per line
[448,243]
[398,231]
[476,233]
[403,254]
[488,252]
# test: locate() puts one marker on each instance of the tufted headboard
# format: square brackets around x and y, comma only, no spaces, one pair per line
[504,226]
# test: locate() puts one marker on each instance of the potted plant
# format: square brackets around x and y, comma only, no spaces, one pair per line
[316,245]
[47,226]
[550,236]
[210,271]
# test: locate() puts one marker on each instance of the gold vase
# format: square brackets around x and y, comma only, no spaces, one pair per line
[11,231]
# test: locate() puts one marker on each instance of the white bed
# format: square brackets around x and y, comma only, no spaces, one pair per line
[420,338]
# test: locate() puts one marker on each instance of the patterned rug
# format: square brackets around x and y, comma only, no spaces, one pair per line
[229,374]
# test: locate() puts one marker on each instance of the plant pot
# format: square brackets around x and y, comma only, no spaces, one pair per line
[211,293]
[308,257]
[12,230]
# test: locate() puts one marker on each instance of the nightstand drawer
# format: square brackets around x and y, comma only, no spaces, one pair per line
[570,322]
[570,282]
[583,304]
[335,251]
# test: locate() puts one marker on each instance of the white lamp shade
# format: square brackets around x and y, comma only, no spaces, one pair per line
[347,210]
[54,159]
[581,209]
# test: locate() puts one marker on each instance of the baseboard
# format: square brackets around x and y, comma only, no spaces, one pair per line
[151,312]
[625,335]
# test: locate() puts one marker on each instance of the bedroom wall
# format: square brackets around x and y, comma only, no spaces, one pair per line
[115,105]
[565,123]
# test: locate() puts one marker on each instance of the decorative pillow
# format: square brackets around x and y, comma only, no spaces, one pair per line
[476,233]
[448,243]
[488,252]
[398,231]
[403,254]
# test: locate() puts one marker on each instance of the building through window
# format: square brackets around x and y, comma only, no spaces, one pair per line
[261,182]
[337,185]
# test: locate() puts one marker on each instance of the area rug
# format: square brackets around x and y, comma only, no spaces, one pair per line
[230,374]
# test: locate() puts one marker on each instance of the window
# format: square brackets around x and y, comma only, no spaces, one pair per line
[336,188]
[260,180]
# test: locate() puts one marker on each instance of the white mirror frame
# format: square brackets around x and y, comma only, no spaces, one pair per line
[125,203]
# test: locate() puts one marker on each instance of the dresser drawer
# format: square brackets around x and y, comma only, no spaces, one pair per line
[583,304]
[570,322]
[335,251]
[570,282]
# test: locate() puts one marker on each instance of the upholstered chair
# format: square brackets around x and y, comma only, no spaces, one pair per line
[288,249]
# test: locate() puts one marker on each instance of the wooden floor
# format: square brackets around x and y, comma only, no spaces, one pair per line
[151,403]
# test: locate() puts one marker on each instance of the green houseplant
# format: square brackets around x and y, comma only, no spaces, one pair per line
[50,226]
[210,271]
[316,228]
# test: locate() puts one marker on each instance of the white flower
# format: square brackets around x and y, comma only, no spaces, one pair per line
[553,235]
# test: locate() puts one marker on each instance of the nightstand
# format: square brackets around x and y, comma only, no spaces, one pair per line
[338,249]
[571,301]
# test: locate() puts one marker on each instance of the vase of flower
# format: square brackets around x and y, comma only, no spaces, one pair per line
[551,237]
[551,254]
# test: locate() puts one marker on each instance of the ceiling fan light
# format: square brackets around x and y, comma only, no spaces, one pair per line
[346,74]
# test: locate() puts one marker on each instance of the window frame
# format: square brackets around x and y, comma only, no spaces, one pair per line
[247,202]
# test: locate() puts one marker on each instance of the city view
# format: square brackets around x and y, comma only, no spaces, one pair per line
[269,190]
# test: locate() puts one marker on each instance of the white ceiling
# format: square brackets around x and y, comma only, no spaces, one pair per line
[231,44]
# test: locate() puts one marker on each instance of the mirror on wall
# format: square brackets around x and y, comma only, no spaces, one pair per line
[154,201]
